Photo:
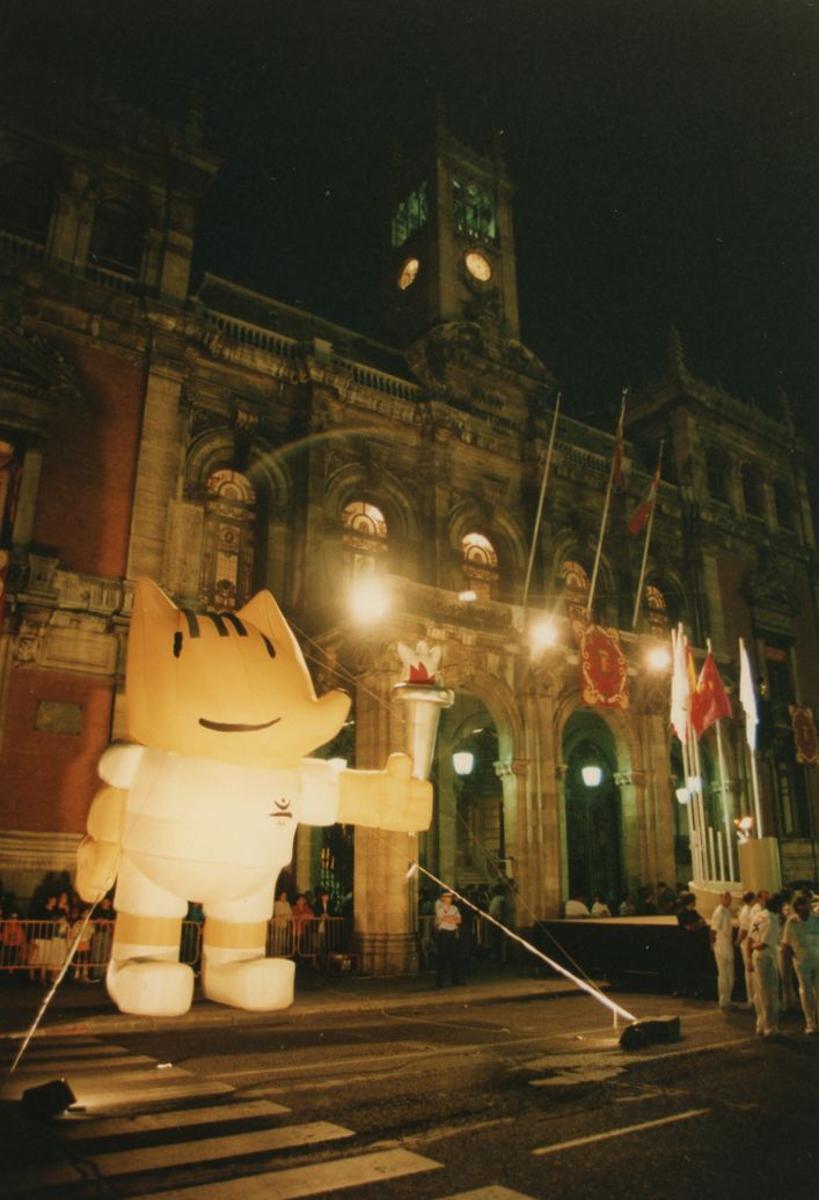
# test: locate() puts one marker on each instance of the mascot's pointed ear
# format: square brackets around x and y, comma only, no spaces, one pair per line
[151,604]
[264,614]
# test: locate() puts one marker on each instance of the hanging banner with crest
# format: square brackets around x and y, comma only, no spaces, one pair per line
[603,670]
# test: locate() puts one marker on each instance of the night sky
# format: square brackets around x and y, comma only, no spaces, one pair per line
[666,154]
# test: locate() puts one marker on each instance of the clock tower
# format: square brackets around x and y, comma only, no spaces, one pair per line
[450,242]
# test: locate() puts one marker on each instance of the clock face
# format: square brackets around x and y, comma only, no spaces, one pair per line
[478,265]
[408,272]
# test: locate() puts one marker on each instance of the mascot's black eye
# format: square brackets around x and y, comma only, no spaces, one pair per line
[177,645]
[269,646]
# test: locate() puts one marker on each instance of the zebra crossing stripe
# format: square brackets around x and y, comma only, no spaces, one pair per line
[494,1192]
[183,1118]
[208,1151]
[151,1095]
[321,1179]
[81,1066]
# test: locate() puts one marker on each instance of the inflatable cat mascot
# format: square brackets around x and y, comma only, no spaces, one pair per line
[203,802]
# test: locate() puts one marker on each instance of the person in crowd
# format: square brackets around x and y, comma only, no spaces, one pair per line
[801,944]
[323,908]
[44,917]
[302,916]
[627,907]
[447,926]
[646,903]
[764,939]
[722,944]
[576,907]
[61,929]
[466,933]
[599,907]
[12,940]
[784,961]
[744,928]
[282,925]
[80,931]
[666,899]
[691,927]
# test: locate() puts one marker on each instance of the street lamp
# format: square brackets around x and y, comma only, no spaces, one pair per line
[368,598]
[463,762]
[591,776]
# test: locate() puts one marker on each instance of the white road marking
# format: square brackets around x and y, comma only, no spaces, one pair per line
[320,1179]
[621,1132]
[177,1154]
[104,1127]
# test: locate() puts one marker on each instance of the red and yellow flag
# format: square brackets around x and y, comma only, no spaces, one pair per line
[709,700]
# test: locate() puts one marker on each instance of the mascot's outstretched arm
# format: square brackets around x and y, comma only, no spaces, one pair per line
[390,799]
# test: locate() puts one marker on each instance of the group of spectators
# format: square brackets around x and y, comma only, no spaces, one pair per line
[455,934]
[55,920]
[646,901]
[778,940]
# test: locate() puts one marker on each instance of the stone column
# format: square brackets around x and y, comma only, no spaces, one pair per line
[385,922]
[157,473]
[538,836]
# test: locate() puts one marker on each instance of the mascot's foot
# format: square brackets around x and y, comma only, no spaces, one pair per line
[257,984]
[150,987]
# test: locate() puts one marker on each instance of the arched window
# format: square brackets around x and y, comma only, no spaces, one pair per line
[657,610]
[227,559]
[118,239]
[752,489]
[783,498]
[576,589]
[26,202]
[479,563]
[716,470]
[364,534]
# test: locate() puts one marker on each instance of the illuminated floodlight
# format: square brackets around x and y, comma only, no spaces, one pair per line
[683,795]
[659,658]
[592,776]
[541,635]
[368,599]
[468,597]
[694,783]
[463,761]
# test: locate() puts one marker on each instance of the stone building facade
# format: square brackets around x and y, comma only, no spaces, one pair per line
[219,441]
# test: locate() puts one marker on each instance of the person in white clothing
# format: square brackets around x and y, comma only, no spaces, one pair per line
[787,991]
[801,945]
[722,944]
[744,927]
[764,940]
[576,907]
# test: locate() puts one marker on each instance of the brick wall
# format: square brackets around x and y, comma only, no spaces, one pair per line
[86,490]
[48,776]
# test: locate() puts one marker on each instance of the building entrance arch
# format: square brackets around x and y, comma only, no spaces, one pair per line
[592,810]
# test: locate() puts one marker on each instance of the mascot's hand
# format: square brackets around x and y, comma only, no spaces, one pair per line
[97,866]
[410,799]
[389,799]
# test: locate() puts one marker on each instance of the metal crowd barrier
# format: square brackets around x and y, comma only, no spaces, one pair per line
[40,946]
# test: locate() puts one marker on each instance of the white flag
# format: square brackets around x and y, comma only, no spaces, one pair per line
[747,696]
[680,687]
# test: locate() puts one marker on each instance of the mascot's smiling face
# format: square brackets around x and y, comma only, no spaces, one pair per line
[227,686]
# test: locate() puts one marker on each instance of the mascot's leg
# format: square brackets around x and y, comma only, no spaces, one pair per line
[234,967]
[144,975]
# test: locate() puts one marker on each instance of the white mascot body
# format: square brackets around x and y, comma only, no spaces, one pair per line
[203,801]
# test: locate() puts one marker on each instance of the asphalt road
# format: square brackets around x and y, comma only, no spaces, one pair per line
[534,1097]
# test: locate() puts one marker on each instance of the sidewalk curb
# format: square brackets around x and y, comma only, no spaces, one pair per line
[204,1015]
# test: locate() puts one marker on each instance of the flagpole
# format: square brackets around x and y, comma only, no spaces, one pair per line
[605,517]
[647,542]
[541,498]
[723,792]
[751,749]
[693,830]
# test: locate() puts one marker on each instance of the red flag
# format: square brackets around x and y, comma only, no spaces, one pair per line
[639,518]
[709,702]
